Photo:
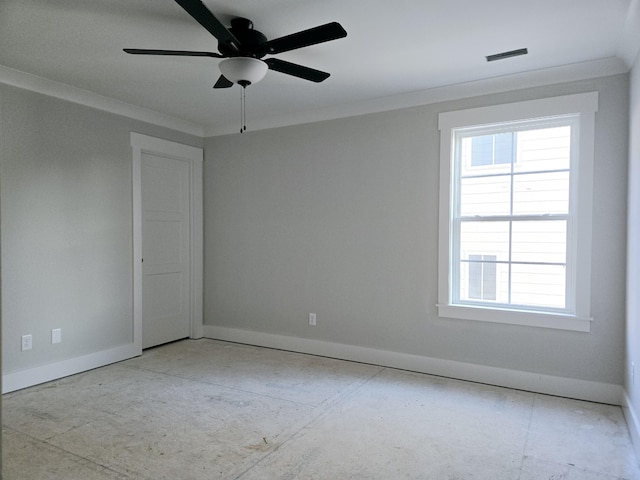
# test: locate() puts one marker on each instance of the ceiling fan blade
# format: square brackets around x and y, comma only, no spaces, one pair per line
[305,38]
[296,70]
[204,17]
[223,82]
[181,53]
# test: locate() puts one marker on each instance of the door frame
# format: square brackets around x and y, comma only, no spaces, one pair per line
[194,157]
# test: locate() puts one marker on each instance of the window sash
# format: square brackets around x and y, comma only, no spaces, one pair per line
[457,219]
[510,260]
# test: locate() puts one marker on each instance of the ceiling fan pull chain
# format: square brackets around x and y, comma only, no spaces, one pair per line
[244,108]
[241,110]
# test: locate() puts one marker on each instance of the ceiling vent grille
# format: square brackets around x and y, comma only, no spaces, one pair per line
[509,54]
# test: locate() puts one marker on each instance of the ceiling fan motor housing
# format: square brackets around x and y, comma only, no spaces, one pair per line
[242,29]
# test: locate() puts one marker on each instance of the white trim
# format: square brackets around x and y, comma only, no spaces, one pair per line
[547,76]
[136,207]
[53,371]
[194,157]
[197,245]
[514,317]
[534,382]
[629,45]
[543,107]
[583,104]
[633,421]
[536,78]
[77,95]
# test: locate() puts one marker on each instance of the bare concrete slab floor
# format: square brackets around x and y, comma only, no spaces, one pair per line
[204,409]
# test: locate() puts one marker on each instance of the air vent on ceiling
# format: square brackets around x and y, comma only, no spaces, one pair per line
[503,55]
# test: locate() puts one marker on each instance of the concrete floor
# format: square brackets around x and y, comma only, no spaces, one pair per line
[205,409]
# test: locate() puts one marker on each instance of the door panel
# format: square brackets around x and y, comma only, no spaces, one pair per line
[165,249]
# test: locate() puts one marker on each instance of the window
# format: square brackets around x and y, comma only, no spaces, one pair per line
[515,220]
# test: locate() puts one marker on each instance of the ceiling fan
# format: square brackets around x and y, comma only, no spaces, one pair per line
[242,48]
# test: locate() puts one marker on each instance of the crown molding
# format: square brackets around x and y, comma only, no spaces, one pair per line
[629,45]
[535,78]
[34,83]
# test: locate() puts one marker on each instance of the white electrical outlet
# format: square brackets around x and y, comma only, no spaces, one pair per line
[27,342]
[312,319]
[56,335]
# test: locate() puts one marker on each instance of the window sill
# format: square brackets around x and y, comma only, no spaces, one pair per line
[516,317]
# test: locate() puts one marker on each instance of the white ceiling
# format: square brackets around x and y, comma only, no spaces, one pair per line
[392,49]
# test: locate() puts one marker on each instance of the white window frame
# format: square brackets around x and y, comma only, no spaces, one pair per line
[584,106]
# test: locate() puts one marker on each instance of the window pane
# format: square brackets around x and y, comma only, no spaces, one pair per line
[482,277]
[489,279]
[543,149]
[485,195]
[540,193]
[482,150]
[503,148]
[484,238]
[538,285]
[475,276]
[539,241]
[481,155]
[484,281]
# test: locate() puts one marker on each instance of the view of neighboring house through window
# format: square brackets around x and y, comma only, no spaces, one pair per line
[516,207]
[482,277]
[512,215]
[491,149]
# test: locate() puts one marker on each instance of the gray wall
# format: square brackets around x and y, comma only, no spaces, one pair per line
[65,176]
[633,251]
[340,218]
[337,218]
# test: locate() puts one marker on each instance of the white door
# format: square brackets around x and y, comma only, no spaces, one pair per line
[166,242]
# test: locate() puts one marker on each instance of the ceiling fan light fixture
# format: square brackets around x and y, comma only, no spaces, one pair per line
[243,70]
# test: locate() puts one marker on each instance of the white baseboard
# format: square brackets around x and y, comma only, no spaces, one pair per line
[53,371]
[633,421]
[546,384]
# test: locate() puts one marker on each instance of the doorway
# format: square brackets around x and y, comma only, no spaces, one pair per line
[167,230]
